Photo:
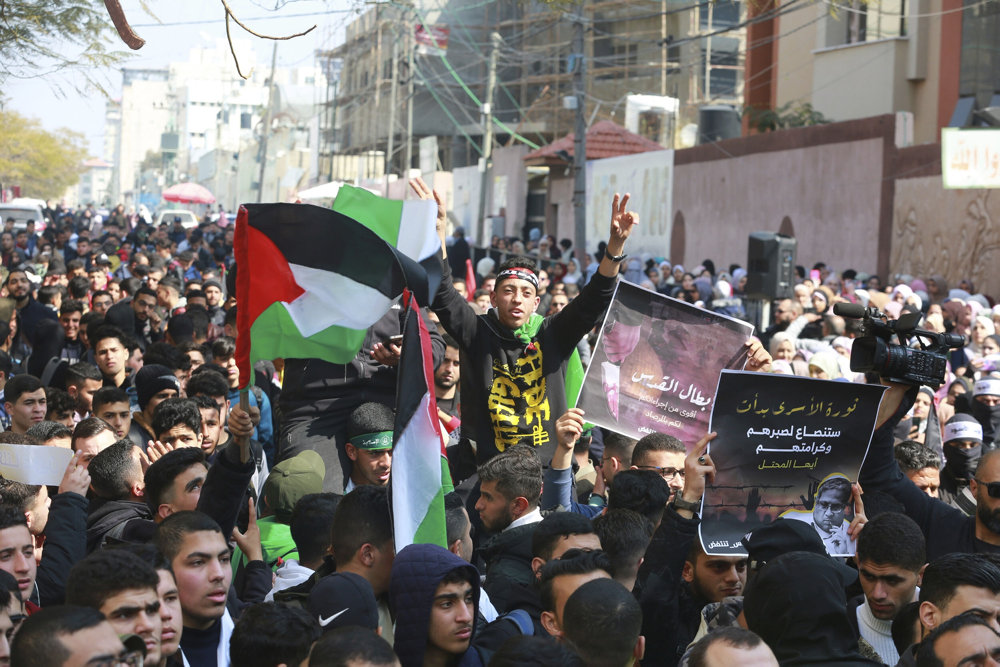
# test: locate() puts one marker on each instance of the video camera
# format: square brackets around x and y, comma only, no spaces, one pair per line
[898,362]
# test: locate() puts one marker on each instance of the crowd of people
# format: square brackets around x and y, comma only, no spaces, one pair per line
[189,531]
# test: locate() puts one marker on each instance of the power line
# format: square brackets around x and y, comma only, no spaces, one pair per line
[267,17]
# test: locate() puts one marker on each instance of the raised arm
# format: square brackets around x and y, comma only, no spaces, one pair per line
[622,222]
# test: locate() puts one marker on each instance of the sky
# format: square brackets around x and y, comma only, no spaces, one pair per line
[178,26]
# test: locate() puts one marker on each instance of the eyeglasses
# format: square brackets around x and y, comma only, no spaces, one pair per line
[666,473]
[992,488]
[126,659]
[831,507]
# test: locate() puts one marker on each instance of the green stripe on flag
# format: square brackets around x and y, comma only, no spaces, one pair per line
[380,215]
[274,334]
[433,529]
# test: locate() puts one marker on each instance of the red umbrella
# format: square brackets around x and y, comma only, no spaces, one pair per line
[188,193]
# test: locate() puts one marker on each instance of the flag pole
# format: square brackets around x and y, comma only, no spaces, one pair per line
[243,441]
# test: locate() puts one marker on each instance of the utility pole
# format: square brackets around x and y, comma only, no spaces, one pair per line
[410,46]
[579,141]
[392,113]
[266,126]
[487,116]
[663,48]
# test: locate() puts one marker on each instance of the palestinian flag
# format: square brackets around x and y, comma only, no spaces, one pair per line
[470,281]
[311,281]
[416,238]
[420,477]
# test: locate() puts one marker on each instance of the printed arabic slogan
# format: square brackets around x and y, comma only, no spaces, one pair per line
[656,364]
[786,447]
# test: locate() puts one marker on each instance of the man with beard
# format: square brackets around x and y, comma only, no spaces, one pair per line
[30,311]
[963,447]
[446,378]
[511,487]
[946,529]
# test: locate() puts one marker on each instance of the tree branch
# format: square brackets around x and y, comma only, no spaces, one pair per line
[232,49]
[132,40]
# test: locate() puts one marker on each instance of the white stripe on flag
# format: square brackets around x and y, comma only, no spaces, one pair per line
[333,299]
[416,474]
[418,229]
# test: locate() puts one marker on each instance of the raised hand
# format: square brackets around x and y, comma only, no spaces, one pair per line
[758,358]
[568,429]
[424,192]
[811,500]
[156,449]
[698,468]
[622,222]
[860,519]
[249,542]
[76,479]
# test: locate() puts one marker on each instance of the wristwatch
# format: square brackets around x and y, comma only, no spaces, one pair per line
[615,258]
[681,504]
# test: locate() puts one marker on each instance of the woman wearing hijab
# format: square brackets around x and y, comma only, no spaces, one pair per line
[937,289]
[633,270]
[982,327]
[704,286]
[739,281]
[573,275]
[825,366]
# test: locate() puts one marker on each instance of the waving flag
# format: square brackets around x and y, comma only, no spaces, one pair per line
[420,477]
[310,280]
[416,237]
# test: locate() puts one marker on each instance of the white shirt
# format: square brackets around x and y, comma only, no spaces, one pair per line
[534,516]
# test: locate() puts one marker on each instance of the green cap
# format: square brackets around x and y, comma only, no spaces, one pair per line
[373,441]
[291,479]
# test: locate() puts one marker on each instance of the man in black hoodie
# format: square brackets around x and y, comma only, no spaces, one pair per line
[118,512]
[798,606]
[436,596]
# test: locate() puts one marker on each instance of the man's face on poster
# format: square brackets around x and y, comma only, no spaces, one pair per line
[828,512]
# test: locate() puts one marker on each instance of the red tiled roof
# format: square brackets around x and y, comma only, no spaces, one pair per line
[604,139]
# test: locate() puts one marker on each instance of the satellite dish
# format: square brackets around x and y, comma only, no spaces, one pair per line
[688,135]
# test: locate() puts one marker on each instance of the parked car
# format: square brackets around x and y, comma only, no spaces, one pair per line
[188,219]
[22,211]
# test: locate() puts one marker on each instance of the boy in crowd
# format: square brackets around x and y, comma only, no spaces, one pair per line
[25,402]
[200,558]
[435,595]
[111,405]
[121,586]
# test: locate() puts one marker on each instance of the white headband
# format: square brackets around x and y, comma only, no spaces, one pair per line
[987,387]
[963,431]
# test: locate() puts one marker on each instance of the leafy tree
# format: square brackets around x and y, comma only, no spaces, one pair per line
[43,163]
[784,117]
[50,35]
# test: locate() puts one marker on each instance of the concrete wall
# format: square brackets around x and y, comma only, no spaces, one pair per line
[830,193]
[953,233]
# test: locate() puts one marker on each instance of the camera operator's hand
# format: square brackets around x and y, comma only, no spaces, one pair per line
[860,519]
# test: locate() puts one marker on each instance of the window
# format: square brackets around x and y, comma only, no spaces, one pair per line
[869,22]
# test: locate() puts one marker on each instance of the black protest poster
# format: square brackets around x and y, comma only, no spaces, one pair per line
[656,364]
[787,447]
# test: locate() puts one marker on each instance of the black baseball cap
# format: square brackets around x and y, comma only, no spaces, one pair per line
[342,599]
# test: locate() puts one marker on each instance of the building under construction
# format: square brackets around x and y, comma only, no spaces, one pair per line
[409,72]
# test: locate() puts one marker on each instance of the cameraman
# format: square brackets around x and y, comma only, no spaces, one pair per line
[946,529]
